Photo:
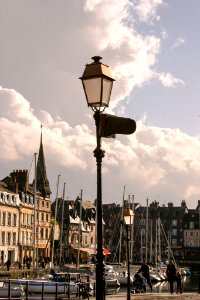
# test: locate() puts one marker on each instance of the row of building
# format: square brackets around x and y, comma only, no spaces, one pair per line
[27,221]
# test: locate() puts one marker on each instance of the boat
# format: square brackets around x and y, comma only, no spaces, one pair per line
[111,278]
[9,290]
[122,278]
[44,286]
[154,275]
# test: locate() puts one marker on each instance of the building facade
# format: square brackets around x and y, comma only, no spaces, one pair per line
[25,215]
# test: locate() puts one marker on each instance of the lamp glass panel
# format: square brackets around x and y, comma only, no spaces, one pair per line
[92,87]
[107,87]
[128,220]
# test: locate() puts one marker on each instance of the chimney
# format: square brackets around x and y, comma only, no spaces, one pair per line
[20,178]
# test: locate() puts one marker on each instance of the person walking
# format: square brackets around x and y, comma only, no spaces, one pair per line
[171,275]
[145,272]
[179,288]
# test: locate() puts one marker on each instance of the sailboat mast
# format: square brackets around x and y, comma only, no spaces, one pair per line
[147,228]
[79,234]
[61,229]
[159,241]
[121,226]
[156,242]
[35,187]
[132,230]
[54,226]
[151,241]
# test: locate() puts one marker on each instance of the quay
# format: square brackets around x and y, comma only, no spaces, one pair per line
[154,296]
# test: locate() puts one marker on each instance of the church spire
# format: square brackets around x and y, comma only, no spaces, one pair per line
[42,181]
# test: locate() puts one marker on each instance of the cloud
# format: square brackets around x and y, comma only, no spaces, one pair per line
[132,55]
[168,80]
[147,9]
[153,160]
[180,41]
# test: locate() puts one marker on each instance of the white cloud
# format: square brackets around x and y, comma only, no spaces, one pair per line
[180,41]
[154,160]
[168,80]
[147,9]
[43,61]
[132,56]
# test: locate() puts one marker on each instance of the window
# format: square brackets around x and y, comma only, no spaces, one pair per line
[174,232]
[42,217]
[13,199]
[42,203]
[9,219]
[27,241]
[14,238]
[174,222]
[191,233]
[4,218]
[47,217]
[174,242]
[9,238]
[3,238]
[22,237]
[47,204]
[31,200]
[14,219]
[46,233]
[23,219]
[23,197]
[191,225]
[8,198]
[42,233]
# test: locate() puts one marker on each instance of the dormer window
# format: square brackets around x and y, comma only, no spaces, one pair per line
[13,199]
[2,196]
[8,198]
[23,198]
[31,200]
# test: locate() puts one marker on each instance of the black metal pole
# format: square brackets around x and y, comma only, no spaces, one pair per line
[100,275]
[128,265]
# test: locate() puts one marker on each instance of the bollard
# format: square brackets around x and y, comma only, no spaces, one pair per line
[199,284]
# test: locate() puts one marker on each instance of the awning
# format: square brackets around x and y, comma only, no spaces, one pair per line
[92,251]
[106,252]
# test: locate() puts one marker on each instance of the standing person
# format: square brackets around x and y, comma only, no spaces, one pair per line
[8,264]
[171,274]
[179,283]
[145,272]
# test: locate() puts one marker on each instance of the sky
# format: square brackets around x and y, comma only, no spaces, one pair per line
[153,50]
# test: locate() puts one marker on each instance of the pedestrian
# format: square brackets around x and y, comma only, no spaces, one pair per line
[8,264]
[145,272]
[171,275]
[179,288]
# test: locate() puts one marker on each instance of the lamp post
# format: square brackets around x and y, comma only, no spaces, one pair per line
[97,84]
[127,222]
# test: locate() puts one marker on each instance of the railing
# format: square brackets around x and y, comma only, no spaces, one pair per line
[40,289]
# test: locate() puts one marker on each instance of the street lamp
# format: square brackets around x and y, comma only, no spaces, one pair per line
[97,84]
[127,222]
